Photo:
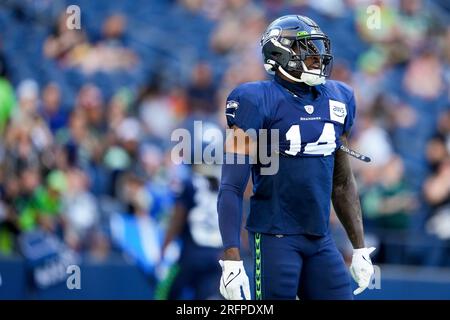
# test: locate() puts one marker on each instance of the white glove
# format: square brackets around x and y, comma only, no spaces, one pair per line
[233,278]
[362,268]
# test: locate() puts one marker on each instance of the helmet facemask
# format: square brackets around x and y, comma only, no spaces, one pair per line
[311,60]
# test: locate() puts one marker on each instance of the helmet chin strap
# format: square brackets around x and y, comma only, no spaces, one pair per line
[308,78]
[269,68]
[287,75]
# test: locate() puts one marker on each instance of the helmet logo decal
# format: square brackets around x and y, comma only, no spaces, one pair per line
[273,33]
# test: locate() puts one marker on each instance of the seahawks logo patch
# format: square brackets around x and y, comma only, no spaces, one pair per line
[309,108]
[231,108]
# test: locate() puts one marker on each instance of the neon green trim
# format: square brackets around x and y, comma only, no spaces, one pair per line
[258,271]
[302,34]
[163,288]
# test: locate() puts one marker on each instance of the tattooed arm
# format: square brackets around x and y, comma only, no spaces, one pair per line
[345,199]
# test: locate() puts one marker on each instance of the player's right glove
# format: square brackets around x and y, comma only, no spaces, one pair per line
[233,279]
[362,268]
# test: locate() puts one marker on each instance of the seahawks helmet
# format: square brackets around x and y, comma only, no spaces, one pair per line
[289,41]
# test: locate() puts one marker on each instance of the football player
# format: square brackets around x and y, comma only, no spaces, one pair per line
[293,251]
[194,222]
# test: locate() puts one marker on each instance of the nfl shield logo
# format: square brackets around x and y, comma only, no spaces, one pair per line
[309,108]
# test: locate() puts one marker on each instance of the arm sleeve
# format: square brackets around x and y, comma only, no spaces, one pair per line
[229,203]
[243,110]
[351,114]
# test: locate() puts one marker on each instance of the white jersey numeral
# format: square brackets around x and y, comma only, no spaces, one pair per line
[294,136]
[203,222]
[325,145]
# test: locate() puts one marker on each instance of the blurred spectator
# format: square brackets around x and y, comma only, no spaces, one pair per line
[437,186]
[240,17]
[7,97]
[444,128]
[80,211]
[28,96]
[368,79]
[437,193]
[90,102]
[157,111]
[9,228]
[64,44]
[109,54]
[135,196]
[20,151]
[128,133]
[158,180]
[118,108]
[72,48]
[331,8]
[81,143]
[400,30]
[423,77]
[26,118]
[413,23]
[113,31]
[51,109]
[202,91]
[373,140]
[388,203]
[38,204]
[446,46]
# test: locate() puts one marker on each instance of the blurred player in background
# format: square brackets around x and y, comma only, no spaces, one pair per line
[293,250]
[194,222]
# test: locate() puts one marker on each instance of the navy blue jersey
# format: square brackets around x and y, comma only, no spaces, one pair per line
[199,198]
[295,200]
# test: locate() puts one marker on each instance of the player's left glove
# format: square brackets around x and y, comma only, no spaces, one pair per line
[362,268]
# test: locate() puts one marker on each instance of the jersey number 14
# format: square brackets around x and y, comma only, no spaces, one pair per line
[325,145]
